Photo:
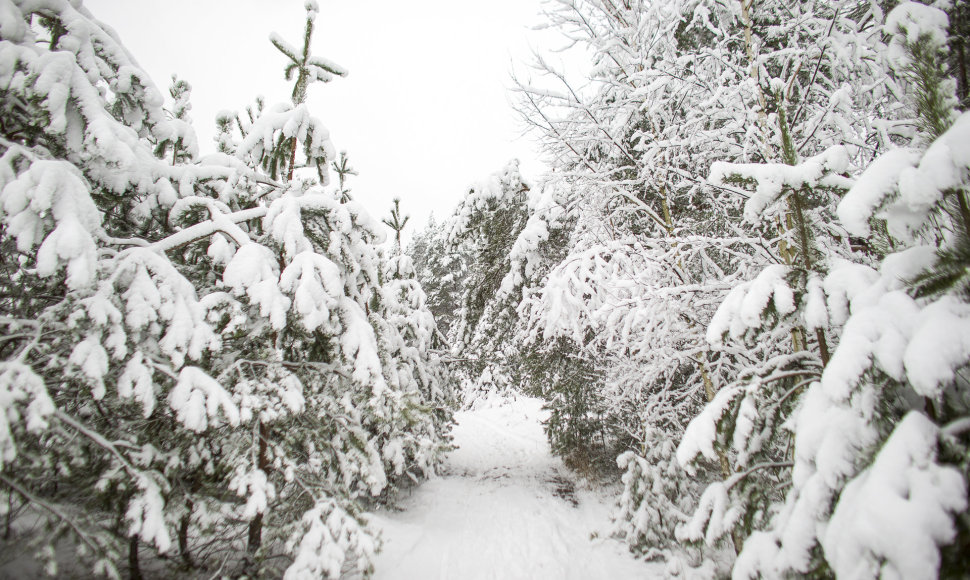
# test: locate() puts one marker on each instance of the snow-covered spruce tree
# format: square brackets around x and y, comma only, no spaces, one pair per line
[813,128]
[416,370]
[362,347]
[441,269]
[810,290]
[483,229]
[80,190]
[180,332]
[413,348]
[880,441]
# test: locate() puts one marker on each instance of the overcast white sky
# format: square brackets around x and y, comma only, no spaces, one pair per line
[424,112]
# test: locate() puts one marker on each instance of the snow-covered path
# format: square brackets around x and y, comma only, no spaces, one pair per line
[506,509]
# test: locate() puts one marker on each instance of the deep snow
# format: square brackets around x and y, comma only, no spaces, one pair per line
[505,509]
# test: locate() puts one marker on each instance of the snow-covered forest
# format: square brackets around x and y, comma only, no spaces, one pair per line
[740,294]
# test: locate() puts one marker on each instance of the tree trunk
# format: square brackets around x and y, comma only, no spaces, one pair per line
[262,462]
[8,528]
[134,570]
[725,463]
[255,533]
[289,173]
[823,347]
[958,32]
[184,535]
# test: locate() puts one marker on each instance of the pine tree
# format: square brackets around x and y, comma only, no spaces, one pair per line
[343,170]
[396,222]
[193,343]
[483,229]
[888,391]
[441,268]
[838,422]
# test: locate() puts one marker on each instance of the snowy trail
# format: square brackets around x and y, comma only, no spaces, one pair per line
[506,509]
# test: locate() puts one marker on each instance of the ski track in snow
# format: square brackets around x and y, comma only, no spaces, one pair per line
[506,509]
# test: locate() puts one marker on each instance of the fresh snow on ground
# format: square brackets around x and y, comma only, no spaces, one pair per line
[505,509]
